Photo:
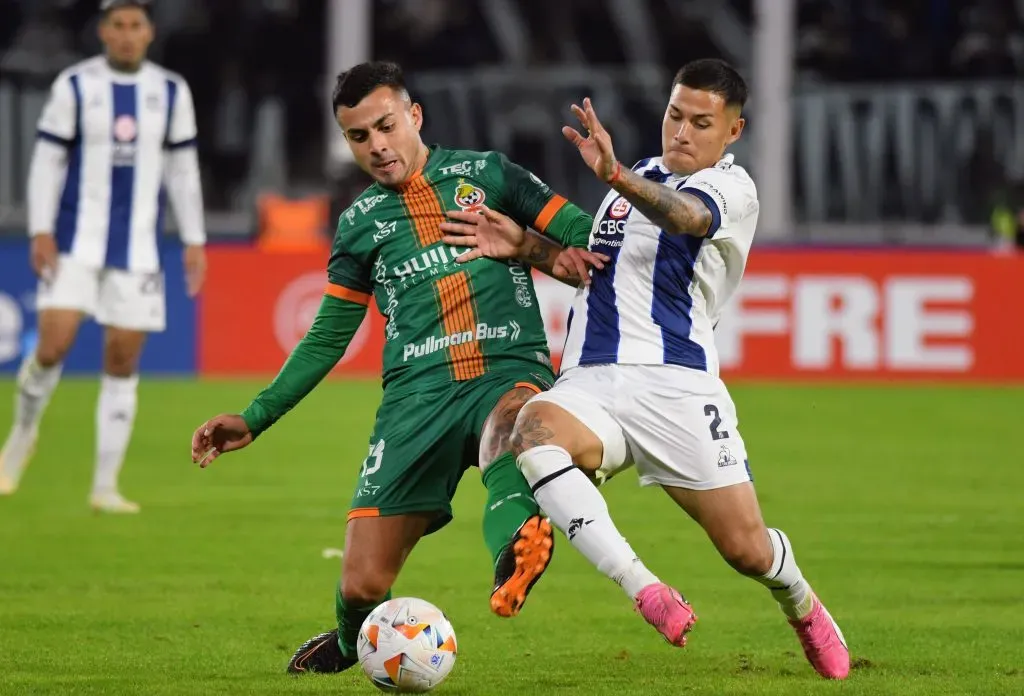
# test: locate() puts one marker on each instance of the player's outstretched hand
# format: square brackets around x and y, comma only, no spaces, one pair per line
[573,265]
[595,149]
[44,256]
[490,233]
[225,433]
[195,269]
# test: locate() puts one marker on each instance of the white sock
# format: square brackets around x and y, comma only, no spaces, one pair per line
[784,579]
[115,415]
[578,509]
[36,385]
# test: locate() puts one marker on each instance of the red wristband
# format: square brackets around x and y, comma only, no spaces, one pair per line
[617,174]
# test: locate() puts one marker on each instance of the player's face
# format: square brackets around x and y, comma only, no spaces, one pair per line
[383,131]
[697,128]
[126,33]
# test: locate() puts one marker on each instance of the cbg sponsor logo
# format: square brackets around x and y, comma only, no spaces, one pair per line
[295,309]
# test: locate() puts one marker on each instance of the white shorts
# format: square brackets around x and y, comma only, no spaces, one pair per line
[678,426]
[118,298]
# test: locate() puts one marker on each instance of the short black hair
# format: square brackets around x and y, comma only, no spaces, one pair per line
[355,83]
[108,6]
[715,76]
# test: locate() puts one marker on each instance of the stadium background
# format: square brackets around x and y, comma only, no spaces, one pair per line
[887,140]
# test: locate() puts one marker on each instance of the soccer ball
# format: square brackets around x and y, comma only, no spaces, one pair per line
[406,645]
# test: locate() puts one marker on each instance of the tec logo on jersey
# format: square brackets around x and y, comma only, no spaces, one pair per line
[468,196]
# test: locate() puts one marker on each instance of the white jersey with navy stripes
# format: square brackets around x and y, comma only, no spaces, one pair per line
[659,299]
[118,129]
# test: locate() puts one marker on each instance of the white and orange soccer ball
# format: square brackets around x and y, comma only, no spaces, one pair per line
[406,645]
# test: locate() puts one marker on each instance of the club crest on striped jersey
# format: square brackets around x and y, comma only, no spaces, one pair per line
[125,128]
[619,208]
[468,196]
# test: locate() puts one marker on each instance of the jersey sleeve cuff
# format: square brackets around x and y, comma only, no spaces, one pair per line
[55,139]
[706,199]
[347,294]
[255,418]
[548,212]
[191,142]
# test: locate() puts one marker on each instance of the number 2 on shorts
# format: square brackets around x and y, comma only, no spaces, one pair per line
[376,452]
[716,434]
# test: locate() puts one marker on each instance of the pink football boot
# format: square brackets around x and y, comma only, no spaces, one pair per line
[823,642]
[666,610]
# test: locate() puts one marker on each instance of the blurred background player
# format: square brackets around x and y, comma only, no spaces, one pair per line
[639,381]
[115,132]
[465,350]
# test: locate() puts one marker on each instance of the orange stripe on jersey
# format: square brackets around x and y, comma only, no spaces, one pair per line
[458,317]
[343,293]
[446,301]
[425,210]
[548,212]
[455,318]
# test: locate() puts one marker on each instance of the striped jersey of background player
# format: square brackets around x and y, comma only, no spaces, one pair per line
[115,140]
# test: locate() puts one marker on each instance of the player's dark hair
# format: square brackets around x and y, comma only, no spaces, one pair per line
[107,7]
[715,76]
[355,83]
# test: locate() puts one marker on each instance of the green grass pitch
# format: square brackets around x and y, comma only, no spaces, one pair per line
[903,504]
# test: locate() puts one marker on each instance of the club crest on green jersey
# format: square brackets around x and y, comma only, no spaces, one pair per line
[468,196]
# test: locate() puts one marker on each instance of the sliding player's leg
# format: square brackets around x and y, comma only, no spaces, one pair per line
[519,538]
[732,519]
[684,434]
[564,438]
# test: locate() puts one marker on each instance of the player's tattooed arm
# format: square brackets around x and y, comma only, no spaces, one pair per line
[676,212]
[491,234]
[530,433]
[571,265]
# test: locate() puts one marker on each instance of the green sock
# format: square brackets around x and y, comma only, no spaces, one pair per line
[350,619]
[509,503]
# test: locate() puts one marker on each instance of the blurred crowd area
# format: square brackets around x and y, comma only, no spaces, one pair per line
[885,40]
[258,69]
[847,40]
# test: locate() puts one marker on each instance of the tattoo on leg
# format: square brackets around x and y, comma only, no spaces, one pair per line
[532,433]
[497,431]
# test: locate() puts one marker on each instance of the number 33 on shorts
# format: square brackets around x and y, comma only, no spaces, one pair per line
[371,465]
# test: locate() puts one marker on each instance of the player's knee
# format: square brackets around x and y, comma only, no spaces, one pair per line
[54,344]
[119,368]
[365,588]
[748,554]
[121,356]
[48,355]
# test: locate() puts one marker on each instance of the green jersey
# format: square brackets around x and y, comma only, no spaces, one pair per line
[448,321]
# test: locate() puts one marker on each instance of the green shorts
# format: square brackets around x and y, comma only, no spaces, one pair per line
[424,441]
